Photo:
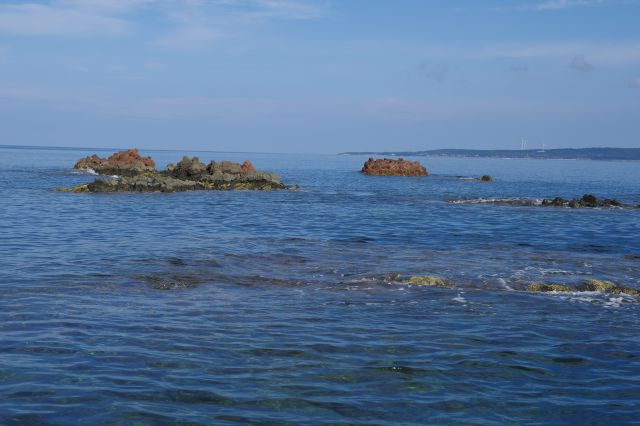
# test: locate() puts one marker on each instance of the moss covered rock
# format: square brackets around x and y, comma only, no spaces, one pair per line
[428,280]
[544,288]
[608,287]
[601,286]
[187,175]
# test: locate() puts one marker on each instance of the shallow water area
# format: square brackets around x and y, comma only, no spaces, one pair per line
[281,307]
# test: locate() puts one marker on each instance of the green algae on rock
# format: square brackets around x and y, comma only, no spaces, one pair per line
[78,188]
[544,288]
[607,287]
[189,174]
[428,280]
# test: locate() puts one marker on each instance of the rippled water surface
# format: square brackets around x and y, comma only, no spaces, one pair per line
[280,307]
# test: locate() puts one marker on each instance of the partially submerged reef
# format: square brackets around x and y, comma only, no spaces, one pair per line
[586,286]
[587,201]
[425,280]
[592,285]
[134,173]
[391,167]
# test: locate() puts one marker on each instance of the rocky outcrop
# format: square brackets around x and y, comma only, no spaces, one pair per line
[545,288]
[589,285]
[587,200]
[389,167]
[187,175]
[428,280]
[123,163]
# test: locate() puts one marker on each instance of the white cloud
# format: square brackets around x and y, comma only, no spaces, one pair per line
[600,53]
[197,23]
[194,21]
[471,108]
[33,19]
[290,9]
[198,107]
[40,94]
[566,4]
[189,36]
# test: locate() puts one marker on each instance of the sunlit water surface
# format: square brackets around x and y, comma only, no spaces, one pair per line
[279,309]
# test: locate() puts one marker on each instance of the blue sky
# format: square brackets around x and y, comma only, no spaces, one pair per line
[320,75]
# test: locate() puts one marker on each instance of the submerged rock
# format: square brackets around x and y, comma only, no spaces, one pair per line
[589,285]
[172,282]
[389,167]
[187,175]
[123,163]
[587,200]
[556,202]
[538,287]
[428,280]
[607,287]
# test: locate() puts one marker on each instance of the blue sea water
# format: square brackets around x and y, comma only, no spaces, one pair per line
[278,307]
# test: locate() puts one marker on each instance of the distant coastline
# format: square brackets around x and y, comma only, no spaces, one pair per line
[549,154]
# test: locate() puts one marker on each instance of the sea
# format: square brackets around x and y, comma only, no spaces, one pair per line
[292,307]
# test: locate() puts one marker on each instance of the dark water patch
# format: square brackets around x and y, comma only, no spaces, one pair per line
[173,282]
[569,360]
[176,261]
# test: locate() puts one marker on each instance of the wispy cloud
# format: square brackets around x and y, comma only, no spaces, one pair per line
[565,4]
[519,68]
[197,23]
[41,95]
[598,52]
[437,72]
[290,9]
[33,19]
[193,21]
[635,83]
[579,63]
[465,108]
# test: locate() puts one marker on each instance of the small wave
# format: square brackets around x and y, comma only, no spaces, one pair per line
[459,298]
[593,297]
[515,201]
[86,171]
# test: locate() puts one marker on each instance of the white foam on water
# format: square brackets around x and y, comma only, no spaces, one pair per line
[614,302]
[513,201]
[459,298]
[591,297]
[85,171]
[503,283]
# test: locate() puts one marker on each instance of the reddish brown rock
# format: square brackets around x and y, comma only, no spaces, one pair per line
[389,167]
[124,163]
[247,167]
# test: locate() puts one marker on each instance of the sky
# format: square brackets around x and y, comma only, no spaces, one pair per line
[320,76]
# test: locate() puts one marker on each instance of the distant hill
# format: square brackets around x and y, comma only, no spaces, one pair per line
[553,154]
